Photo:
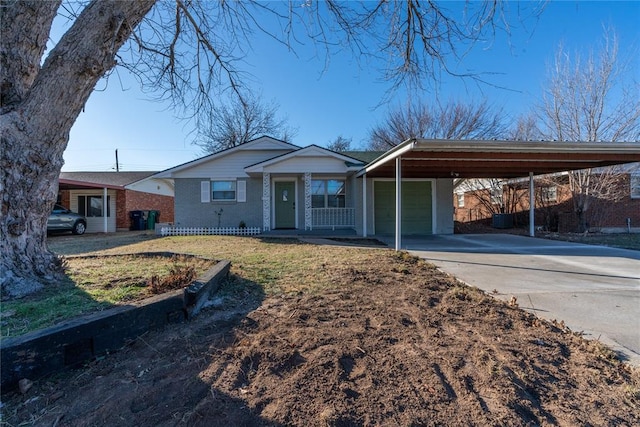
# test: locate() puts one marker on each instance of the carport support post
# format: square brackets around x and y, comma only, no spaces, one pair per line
[364,205]
[105,209]
[398,203]
[532,206]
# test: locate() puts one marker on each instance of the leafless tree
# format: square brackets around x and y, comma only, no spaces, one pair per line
[340,144]
[454,120]
[494,195]
[526,128]
[191,52]
[591,100]
[240,121]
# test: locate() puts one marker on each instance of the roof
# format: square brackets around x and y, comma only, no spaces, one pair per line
[364,156]
[423,158]
[115,180]
[311,150]
[275,144]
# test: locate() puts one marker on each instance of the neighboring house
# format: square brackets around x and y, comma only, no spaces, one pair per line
[480,199]
[275,185]
[84,192]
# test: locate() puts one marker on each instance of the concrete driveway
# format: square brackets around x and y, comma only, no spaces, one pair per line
[593,289]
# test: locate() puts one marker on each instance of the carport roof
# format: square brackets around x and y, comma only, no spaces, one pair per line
[432,158]
[113,180]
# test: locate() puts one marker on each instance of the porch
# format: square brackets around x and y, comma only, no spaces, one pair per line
[333,218]
[319,202]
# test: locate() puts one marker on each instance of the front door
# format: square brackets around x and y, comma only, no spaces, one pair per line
[285,204]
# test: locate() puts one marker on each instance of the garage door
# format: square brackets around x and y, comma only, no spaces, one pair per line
[416,207]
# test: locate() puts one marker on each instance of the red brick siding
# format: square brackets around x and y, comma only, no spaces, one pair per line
[472,211]
[560,215]
[65,198]
[603,213]
[122,215]
[136,200]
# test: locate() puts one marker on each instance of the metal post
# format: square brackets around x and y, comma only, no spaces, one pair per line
[398,203]
[364,205]
[105,200]
[532,206]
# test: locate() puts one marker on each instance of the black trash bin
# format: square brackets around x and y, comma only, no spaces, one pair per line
[137,220]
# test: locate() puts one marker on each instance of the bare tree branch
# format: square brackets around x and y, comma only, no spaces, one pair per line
[449,121]
[236,122]
[591,100]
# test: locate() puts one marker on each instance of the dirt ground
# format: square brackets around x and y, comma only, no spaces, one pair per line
[394,343]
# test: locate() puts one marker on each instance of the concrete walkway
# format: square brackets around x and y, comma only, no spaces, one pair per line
[593,289]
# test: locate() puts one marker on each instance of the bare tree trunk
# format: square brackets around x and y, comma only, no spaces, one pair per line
[37,114]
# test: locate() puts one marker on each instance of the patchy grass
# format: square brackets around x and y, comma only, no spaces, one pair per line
[94,284]
[344,336]
[279,265]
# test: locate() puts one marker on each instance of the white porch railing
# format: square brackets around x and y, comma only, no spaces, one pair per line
[333,218]
[209,231]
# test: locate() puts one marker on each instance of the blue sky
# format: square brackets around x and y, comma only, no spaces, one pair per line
[323,103]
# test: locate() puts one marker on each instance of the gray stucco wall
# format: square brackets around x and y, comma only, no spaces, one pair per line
[190,212]
[356,187]
[444,212]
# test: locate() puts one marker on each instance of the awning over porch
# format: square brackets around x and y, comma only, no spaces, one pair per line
[423,158]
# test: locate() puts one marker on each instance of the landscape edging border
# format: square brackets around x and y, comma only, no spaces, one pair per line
[84,338]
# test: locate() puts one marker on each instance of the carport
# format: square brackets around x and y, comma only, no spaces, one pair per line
[432,158]
[68,184]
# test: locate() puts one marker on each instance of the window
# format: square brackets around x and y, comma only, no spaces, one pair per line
[550,194]
[223,190]
[496,195]
[635,186]
[327,193]
[460,198]
[91,206]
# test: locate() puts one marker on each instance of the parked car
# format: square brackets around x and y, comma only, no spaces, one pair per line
[62,219]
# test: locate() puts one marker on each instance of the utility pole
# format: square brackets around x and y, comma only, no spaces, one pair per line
[117,164]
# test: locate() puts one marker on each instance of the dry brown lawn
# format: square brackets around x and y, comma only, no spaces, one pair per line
[308,335]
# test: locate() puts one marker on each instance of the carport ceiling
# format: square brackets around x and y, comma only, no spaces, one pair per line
[423,158]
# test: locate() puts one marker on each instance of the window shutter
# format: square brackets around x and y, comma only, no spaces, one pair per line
[241,191]
[205,191]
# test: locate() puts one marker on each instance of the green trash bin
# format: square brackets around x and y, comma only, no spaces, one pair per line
[151,220]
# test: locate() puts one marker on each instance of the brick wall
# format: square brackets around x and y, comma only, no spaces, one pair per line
[122,215]
[472,210]
[560,215]
[137,200]
[604,213]
[65,198]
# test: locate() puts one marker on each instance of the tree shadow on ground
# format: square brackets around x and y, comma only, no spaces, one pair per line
[160,378]
[68,244]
